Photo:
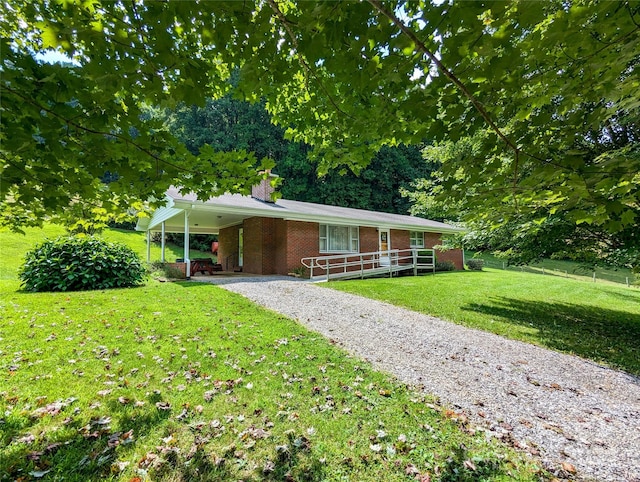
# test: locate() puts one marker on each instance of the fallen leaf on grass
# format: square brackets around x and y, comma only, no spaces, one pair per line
[39,473]
[470,465]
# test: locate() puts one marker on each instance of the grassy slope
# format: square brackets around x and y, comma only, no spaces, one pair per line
[563,268]
[184,381]
[596,321]
[13,246]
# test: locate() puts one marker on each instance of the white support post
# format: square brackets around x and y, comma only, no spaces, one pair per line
[148,246]
[162,244]
[414,254]
[186,243]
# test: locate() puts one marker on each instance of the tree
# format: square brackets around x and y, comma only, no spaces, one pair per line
[343,77]
[377,187]
[228,124]
[525,236]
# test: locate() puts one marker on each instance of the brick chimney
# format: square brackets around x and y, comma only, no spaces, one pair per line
[264,190]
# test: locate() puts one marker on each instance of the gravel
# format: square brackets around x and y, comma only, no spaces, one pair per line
[560,408]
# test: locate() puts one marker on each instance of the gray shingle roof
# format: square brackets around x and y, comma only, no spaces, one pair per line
[304,211]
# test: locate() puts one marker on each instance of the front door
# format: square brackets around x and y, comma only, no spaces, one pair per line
[240,247]
[384,245]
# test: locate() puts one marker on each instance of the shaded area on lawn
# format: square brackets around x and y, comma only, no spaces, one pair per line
[601,334]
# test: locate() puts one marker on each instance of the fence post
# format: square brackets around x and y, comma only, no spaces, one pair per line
[542,270]
[594,276]
[627,281]
[503,266]
[414,254]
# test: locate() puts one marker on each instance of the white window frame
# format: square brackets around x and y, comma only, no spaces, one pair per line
[416,239]
[327,245]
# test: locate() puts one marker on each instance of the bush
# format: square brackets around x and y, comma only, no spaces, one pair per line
[166,269]
[200,242]
[475,264]
[80,263]
[445,266]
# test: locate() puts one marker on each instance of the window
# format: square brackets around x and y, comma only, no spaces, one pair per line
[416,239]
[339,239]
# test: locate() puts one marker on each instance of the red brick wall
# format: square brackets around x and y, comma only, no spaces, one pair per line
[276,246]
[399,239]
[455,255]
[228,246]
[253,245]
[280,246]
[302,241]
[368,239]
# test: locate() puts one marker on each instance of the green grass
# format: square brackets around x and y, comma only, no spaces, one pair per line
[186,381]
[13,246]
[562,268]
[600,322]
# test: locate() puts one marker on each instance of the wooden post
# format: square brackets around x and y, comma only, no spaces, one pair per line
[414,254]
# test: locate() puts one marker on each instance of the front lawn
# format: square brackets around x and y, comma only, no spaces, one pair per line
[186,381]
[595,321]
[13,246]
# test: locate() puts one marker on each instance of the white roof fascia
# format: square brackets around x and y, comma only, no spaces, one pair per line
[163,214]
[371,224]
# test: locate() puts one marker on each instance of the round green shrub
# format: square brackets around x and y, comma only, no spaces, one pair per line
[475,264]
[80,263]
[445,266]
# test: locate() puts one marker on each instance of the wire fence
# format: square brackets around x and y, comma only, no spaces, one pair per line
[579,273]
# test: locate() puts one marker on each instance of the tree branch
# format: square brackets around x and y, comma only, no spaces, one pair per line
[96,132]
[445,71]
[307,68]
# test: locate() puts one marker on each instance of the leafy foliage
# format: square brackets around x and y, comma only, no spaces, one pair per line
[80,263]
[445,266]
[553,83]
[524,236]
[228,123]
[475,264]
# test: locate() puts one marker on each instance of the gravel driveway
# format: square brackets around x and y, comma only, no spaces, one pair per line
[560,407]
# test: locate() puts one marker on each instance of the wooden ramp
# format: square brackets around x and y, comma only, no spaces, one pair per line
[363,265]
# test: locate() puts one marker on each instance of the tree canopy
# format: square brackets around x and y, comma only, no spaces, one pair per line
[227,124]
[552,84]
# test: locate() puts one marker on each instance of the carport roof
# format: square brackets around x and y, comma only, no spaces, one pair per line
[229,209]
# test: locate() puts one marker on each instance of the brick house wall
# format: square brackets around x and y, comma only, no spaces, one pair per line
[276,246]
[454,255]
[259,245]
[302,241]
[368,239]
[228,247]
